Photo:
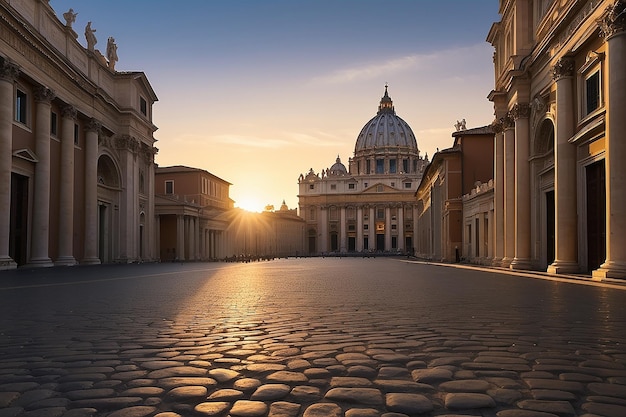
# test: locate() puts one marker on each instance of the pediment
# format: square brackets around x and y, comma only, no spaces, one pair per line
[26,154]
[379,188]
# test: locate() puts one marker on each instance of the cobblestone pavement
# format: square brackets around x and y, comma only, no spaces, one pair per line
[307,337]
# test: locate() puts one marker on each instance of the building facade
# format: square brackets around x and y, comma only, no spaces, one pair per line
[369,207]
[560,106]
[76,146]
[193,210]
[453,224]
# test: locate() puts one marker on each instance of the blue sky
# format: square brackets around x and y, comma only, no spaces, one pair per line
[257,92]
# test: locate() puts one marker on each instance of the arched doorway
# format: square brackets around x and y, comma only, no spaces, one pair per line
[109,189]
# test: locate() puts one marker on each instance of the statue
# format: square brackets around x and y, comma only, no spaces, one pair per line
[91,38]
[460,125]
[70,17]
[112,52]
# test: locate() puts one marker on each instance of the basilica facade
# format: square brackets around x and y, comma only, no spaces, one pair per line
[370,205]
[560,146]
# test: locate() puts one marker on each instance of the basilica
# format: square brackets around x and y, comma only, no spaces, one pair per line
[369,206]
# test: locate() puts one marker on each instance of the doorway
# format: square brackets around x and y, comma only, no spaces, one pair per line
[596,215]
[380,242]
[550,227]
[18,229]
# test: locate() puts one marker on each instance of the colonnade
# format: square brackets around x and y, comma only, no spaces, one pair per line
[196,242]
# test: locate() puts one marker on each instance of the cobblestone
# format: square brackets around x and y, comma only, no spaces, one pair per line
[195,348]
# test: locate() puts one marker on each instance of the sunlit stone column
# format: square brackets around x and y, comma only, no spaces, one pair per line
[66,190]
[498,192]
[8,74]
[613,26]
[521,112]
[40,232]
[191,229]
[91,192]
[509,190]
[565,200]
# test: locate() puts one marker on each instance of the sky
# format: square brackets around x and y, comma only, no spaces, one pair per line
[257,92]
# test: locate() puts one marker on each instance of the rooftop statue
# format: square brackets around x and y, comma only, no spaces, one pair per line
[70,17]
[112,52]
[91,38]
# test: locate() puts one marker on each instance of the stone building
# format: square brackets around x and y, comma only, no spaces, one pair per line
[370,206]
[76,146]
[453,224]
[560,106]
[193,210]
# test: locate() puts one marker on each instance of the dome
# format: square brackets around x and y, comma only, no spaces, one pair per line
[338,168]
[386,130]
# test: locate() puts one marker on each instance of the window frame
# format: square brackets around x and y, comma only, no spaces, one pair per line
[593,66]
[21,114]
[171,184]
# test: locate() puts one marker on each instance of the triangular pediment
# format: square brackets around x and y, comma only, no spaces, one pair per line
[379,188]
[26,154]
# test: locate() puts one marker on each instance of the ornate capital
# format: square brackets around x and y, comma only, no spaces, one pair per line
[497,126]
[520,111]
[613,20]
[507,121]
[44,94]
[564,67]
[69,112]
[8,70]
[93,125]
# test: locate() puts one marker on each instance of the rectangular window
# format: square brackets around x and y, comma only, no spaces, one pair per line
[351,228]
[380,213]
[592,90]
[311,186]
[366,226]
[407,185]
[380,166]
[405,165]
[54,127]
[394,226]
[143,106]
[169,187]
[392,166]
[393,184]
[333,186]
[76,131]
[351,186]
[368,169]
[312,214]
[365,185]
[21,107]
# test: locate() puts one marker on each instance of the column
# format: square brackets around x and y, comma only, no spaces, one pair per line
[66,189]
[521,112]
[371,229]
[8,74]
[401,228]
[565,200]
[498,192]
[509,191]
[324,229]
[192,238]
[359,229]
[157,236]
[40,233]
[342,230]
[180,237]
[91,193]
[387,228]
[613,25]
[490,236]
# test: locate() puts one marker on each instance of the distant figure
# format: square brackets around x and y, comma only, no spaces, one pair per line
[70,18]
[112,52]
[91,38]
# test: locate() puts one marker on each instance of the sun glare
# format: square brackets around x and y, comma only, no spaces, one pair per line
[250,204]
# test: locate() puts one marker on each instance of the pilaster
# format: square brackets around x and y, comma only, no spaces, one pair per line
[499,180]
[509,190]
[91,193]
